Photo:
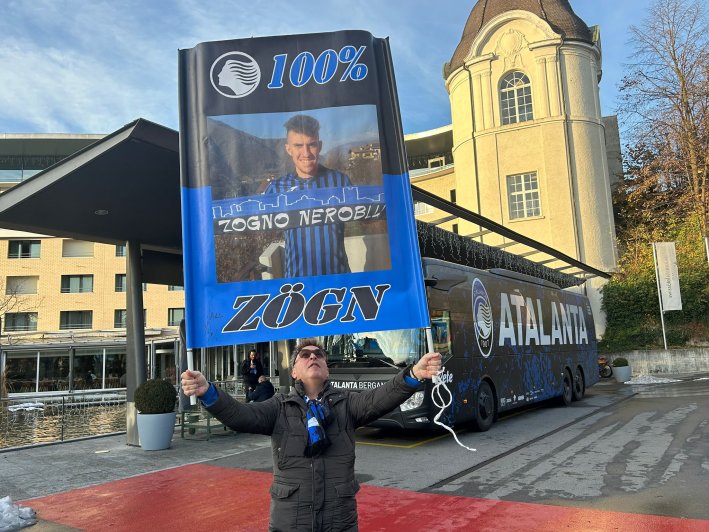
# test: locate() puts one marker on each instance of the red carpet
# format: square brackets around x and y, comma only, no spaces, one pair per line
[202,497]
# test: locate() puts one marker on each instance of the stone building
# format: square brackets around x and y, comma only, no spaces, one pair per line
[528,145]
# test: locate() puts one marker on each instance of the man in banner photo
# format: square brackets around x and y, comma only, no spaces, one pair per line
[310,206]
[312,249]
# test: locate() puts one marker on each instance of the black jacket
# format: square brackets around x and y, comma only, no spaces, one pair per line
[264,390]
[251,379]
[318,493]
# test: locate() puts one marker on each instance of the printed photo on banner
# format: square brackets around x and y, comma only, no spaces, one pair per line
[297,194]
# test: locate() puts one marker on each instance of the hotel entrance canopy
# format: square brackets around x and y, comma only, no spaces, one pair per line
[124,187]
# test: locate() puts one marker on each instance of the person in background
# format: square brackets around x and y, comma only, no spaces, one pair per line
[251,370]
[312,434]
[264,390]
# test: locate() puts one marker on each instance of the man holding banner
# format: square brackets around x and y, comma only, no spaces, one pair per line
[311,249]
[312,435]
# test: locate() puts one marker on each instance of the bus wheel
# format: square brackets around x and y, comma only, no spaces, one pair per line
[579,385]
[568,392]
[486,407]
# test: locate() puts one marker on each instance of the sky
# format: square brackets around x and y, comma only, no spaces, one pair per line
[92,66]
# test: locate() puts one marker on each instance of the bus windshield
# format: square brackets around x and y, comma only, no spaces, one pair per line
[393,349]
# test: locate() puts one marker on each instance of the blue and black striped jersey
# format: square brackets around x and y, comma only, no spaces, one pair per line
[319,249]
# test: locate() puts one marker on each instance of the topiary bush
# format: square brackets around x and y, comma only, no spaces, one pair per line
[619,362]
[155,396]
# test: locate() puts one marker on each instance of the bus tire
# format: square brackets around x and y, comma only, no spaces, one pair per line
[485,407]
[567,388]
[579,389]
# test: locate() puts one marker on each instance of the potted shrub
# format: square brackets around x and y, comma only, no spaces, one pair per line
[155,402]
[621,369]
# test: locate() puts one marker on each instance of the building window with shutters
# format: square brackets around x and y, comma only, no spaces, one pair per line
[23,249]
[421,208]
[77,284]
[515,98]
[16,285]
[21,321]
[119,319]
[175,316]
[523,196]
[75,319]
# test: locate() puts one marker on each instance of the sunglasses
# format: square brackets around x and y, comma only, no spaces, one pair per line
[305,353]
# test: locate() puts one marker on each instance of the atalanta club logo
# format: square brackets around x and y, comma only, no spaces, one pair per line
[235,74]
[482,316]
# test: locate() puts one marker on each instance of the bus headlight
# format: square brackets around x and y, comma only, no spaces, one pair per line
[412,402]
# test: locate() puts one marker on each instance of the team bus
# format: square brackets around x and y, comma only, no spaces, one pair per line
[507,340]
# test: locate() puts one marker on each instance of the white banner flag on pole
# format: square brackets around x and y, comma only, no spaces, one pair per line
[667,275]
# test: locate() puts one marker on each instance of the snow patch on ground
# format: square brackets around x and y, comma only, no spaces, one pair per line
[14,517]
[648,379]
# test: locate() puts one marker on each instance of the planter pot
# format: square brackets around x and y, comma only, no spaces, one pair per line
[622,373]
[155,430]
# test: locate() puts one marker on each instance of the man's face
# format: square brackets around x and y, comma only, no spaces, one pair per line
[304,150]
[310,364]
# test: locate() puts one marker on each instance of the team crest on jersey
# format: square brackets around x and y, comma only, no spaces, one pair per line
[482,317]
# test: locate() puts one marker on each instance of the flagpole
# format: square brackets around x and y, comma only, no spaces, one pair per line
[659,295]
[190,366]
[429,339]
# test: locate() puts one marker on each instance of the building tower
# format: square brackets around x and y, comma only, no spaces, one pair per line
[528,139]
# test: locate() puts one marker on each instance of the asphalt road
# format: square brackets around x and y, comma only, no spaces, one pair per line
[648,454]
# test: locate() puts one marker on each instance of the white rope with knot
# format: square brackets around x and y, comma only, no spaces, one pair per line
[440,402]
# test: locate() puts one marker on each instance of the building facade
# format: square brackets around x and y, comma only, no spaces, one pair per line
[530,148]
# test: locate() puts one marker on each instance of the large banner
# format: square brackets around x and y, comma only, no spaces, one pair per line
[667,275]
[297,217]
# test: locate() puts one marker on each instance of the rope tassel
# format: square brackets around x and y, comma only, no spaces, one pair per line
[440,402]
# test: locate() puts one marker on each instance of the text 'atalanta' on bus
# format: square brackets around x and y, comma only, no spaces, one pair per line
[525,325]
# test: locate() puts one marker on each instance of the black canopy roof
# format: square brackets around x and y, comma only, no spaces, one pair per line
[123,187]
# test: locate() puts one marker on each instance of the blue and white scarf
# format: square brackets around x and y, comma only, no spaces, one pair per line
[317,419]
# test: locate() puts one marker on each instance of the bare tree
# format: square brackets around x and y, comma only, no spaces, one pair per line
[665,101]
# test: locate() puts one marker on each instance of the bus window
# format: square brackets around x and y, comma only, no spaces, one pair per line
[375,349]
[441,331]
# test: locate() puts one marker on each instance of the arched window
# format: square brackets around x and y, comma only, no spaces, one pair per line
[515,98]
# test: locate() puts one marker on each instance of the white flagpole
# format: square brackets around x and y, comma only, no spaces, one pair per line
[659,295]
[429,339]
[190,366]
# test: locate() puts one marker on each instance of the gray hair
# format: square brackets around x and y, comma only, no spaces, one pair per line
[305,342]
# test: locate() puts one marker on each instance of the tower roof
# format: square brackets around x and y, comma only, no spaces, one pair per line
[557,13]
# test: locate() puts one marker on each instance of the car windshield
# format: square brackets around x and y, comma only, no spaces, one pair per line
[394,349]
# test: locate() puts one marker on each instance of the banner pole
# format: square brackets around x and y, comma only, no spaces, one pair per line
[190,366]
[659,295]
[429,339]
